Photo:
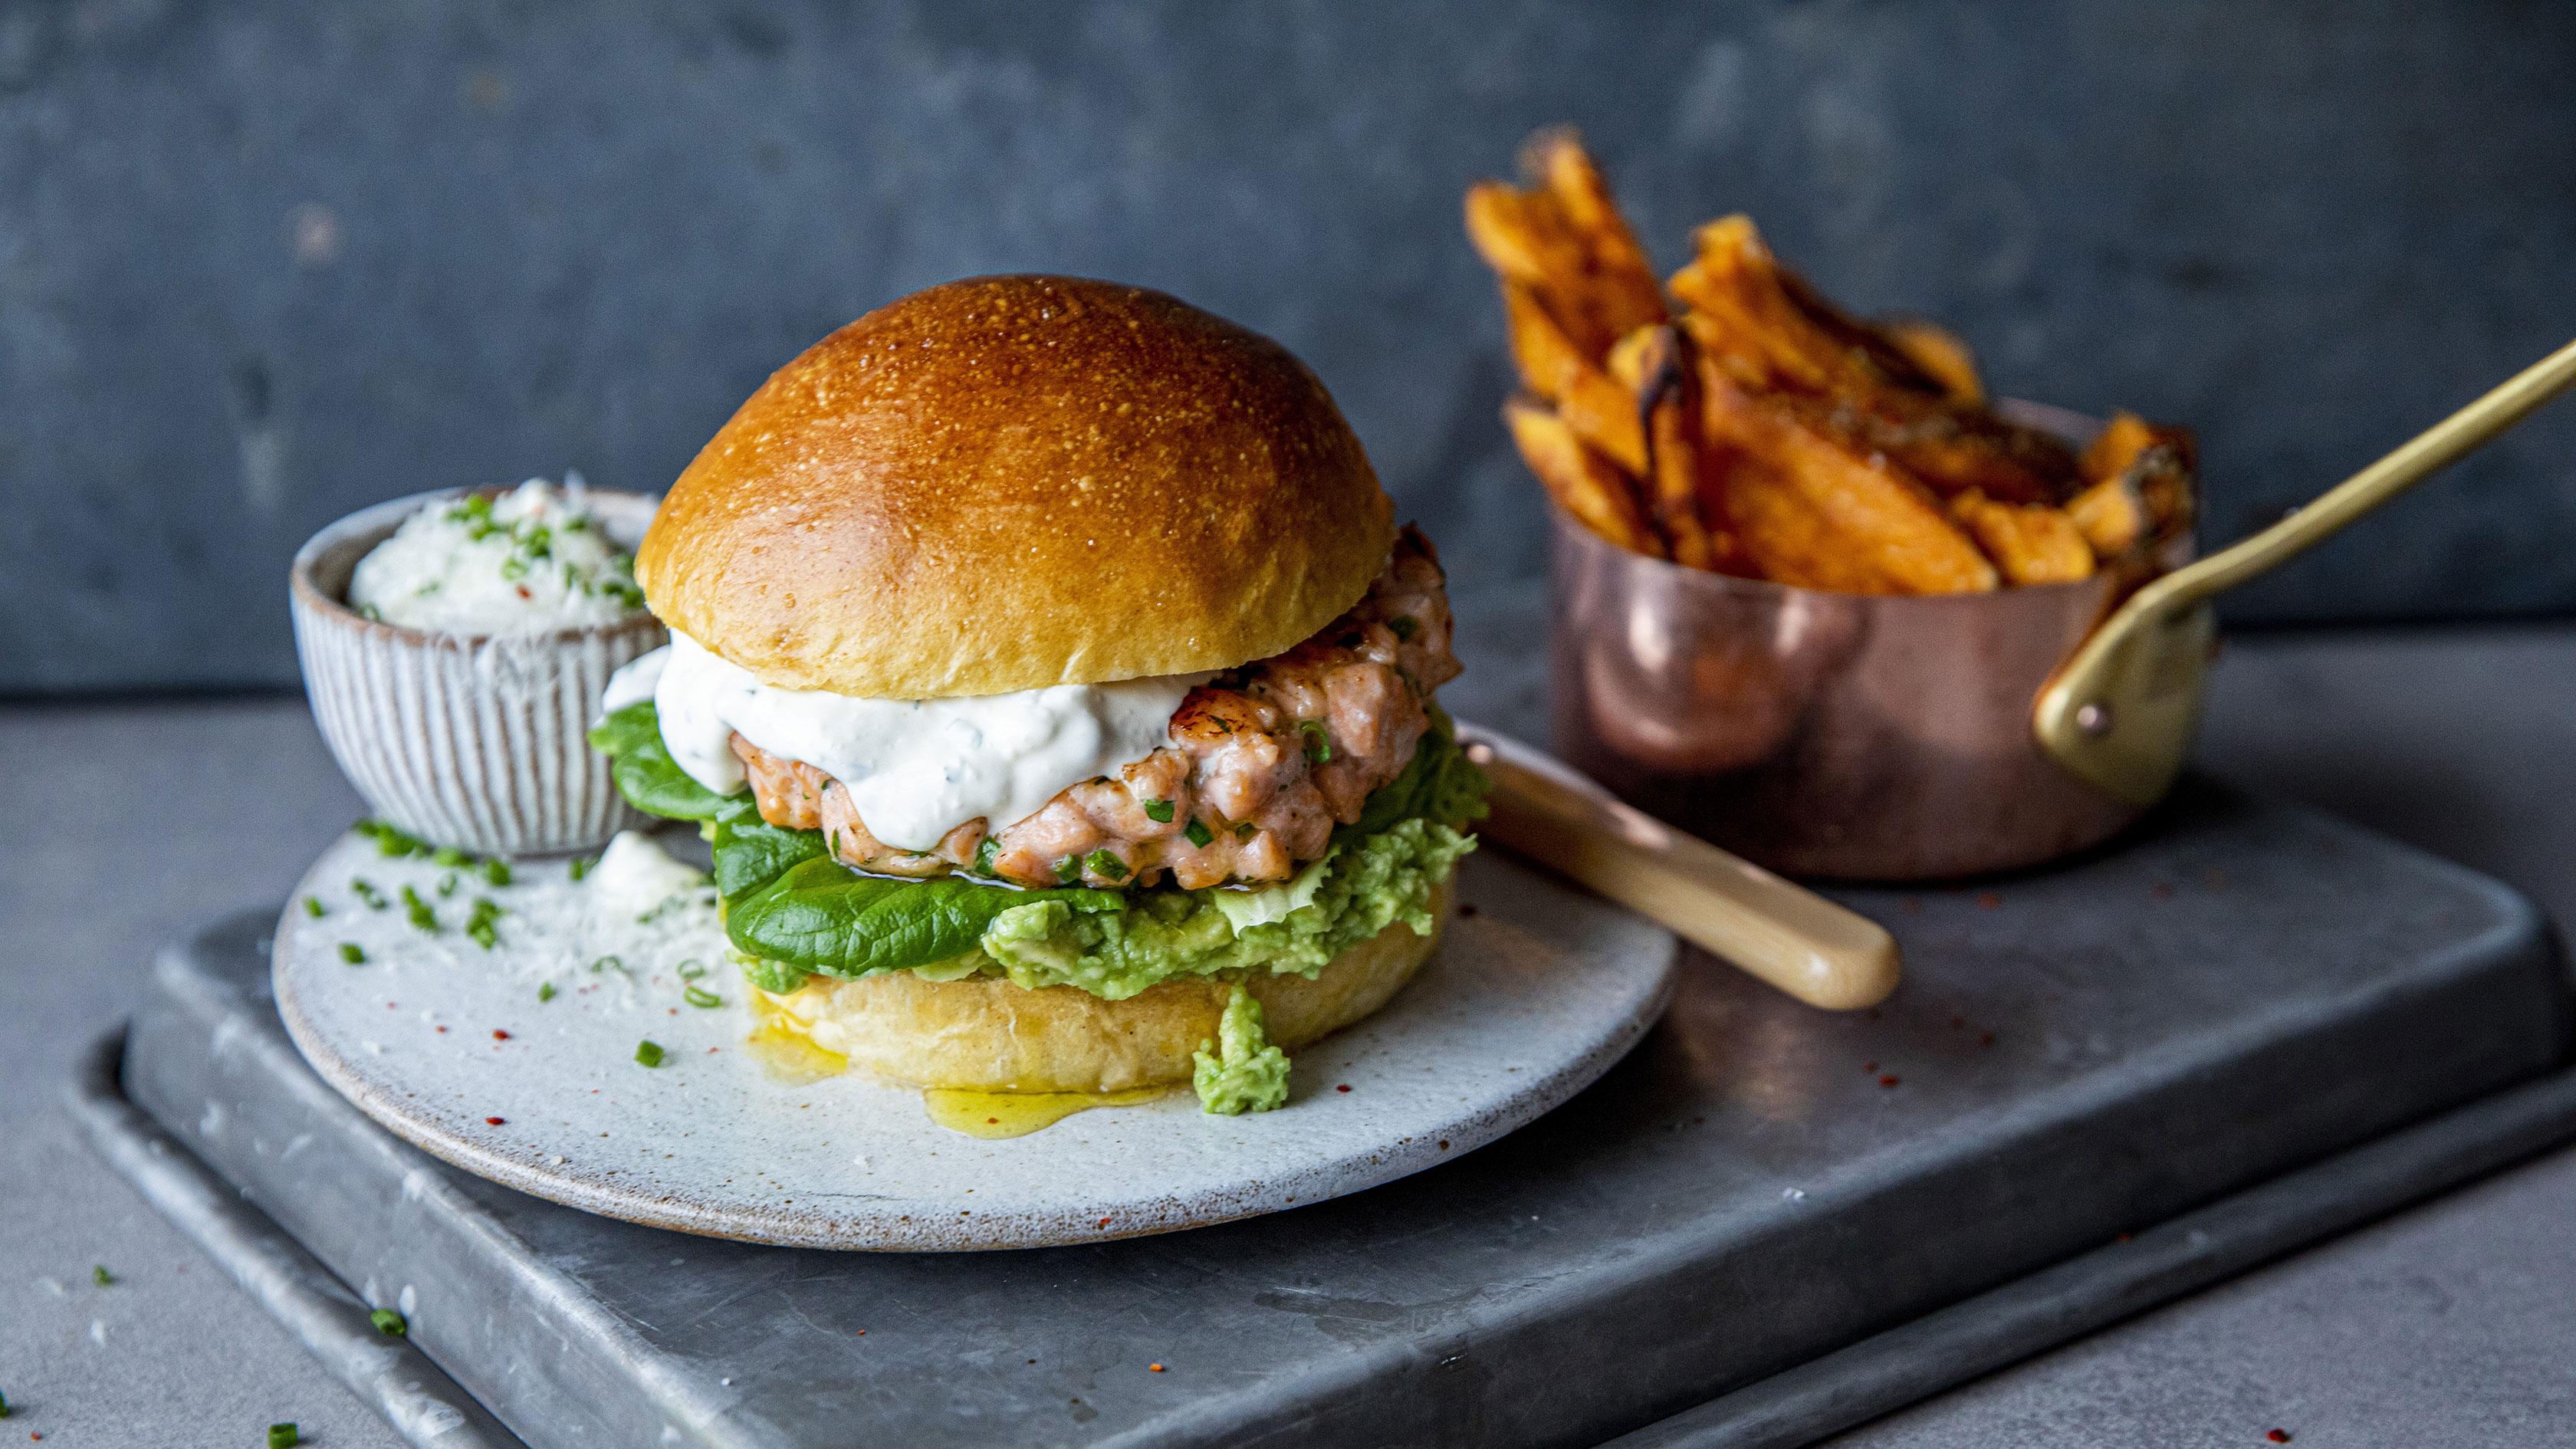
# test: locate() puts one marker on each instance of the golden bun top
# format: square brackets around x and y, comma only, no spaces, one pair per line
[1010,482]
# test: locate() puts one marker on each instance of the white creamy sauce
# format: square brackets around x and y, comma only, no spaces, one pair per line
[530,561]
[634,875]
[916,769]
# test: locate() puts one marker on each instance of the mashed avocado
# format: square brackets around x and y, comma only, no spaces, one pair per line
[1352,894]
[1247,1074]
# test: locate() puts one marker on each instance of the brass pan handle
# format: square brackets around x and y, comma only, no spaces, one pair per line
[2120,713]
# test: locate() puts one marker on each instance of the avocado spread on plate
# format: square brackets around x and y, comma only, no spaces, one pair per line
[1247,1074]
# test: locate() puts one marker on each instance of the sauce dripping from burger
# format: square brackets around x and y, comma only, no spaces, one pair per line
[1017,1114]
[781,1046]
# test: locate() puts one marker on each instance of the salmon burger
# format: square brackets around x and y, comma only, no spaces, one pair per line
[1057,693]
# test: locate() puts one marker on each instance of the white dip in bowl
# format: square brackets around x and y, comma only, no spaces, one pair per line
[533,560]
[455,645]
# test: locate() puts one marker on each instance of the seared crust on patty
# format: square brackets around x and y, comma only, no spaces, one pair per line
[985,1034]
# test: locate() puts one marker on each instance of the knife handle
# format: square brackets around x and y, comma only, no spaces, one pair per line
[1774,930]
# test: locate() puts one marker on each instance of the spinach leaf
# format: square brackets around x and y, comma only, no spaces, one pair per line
[647,776]
[820,915]
[751,852]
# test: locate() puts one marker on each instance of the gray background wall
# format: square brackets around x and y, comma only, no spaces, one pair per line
[261,263]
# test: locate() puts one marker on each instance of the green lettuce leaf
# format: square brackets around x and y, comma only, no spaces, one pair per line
[823,916]
[648,777]
[1361,889]
[1439,784]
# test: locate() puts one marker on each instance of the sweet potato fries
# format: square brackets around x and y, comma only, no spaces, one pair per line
[1739,421]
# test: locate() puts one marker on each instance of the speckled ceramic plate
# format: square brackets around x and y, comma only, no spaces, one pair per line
[1537,989]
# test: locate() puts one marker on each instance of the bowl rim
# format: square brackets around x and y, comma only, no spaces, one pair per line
[385,516]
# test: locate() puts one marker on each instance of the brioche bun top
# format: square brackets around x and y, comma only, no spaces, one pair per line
[1010,482]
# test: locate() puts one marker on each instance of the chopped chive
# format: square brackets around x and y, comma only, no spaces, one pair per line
[1197,832]
[607,963]
[448,855]
[1405,628]
[99,1275]
[388,1321]
[984,854]
[648,1053]
[1159,811]
[1319,745]
[497,871]
[1068,870]
[352,953]
[313,907]
[283,1436]
[692,969]
[700,996]
[545,991]
[392,840]
[581,865]
[1103,863]
[364,890]
[447,885]
[482,927]
[422,917]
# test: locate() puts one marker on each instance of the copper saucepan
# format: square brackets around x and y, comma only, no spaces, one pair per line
[1870,737]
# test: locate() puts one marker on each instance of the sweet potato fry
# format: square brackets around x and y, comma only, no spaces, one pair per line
[1809,511]
[1939,353]
[1621,291]
[1667,393]
[1764,431]
[1630,355]
[1601,412]
[1770,332]
[1523,238]
[1562,238]
[2112,517]
[1582,482]
[2030,543]
[1741,316]
[2134,466]
[2116,447]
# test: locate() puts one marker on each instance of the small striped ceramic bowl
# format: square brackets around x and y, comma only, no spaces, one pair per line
[470,740]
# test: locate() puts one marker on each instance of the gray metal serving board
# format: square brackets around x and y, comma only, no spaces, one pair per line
[2076,1056]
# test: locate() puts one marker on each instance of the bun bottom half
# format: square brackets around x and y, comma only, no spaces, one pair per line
[984,1034]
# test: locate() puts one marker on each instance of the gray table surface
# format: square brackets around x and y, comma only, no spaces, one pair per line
[2452,1323]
